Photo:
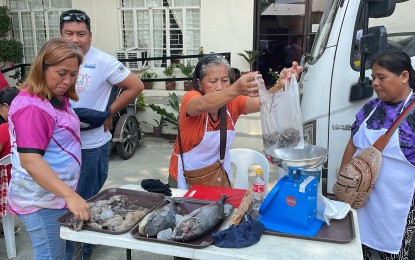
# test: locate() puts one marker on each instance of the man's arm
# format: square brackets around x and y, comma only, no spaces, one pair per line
[132,86]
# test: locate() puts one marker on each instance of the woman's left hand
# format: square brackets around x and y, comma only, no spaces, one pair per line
[78,206]
[287,73]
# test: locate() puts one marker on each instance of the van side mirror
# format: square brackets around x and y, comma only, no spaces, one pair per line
[381,8]
[361,90]
[374,42]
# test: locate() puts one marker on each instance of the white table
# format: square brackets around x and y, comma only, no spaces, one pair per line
[269,247]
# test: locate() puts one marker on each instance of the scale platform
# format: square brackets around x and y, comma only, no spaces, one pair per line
[291,206]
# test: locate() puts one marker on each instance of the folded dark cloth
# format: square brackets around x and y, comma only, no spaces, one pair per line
[245,234]
[155,185]
[91,118]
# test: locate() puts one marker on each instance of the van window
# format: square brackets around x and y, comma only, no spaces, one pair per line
[323,33]
[400,28]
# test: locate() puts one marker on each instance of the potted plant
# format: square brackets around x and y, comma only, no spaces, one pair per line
[187,70]
[251,57]
[168,71]
[11,51]
[140,105]
[158,127]
[169,116]
[148,75]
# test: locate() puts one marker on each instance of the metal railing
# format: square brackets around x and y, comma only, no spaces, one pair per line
[227,55]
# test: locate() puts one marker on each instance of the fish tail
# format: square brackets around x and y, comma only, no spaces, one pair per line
[223,198]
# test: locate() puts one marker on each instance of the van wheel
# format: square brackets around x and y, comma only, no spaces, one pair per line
[128,132]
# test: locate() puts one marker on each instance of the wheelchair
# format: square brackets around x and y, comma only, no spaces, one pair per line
[126,131]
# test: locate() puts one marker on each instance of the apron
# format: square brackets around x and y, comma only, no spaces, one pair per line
[382,221]
[206,153]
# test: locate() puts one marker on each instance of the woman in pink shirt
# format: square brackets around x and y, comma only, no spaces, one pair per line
[46,149]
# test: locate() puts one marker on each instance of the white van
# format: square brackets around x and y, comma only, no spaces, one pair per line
[333,87]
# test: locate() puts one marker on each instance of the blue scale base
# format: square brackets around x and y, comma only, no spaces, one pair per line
[291,206]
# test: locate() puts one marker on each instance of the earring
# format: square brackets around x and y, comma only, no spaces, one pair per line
[404,82]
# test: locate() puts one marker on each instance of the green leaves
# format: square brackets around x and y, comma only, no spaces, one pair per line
[168,116]
[186,69]
[148,75]
[5,21]
[250,56]
[168,71]
[11,50]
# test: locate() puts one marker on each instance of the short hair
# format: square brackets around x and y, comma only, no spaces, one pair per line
[396,61]
[74,15]
[53,52]
[7,95]
[204,64]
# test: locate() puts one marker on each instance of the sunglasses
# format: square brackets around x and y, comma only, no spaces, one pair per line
[77,16]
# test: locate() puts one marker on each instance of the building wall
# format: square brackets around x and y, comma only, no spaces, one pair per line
[105,23]
[226,26]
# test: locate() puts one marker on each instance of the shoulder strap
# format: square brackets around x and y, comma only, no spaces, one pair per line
[383,140]
[223,133]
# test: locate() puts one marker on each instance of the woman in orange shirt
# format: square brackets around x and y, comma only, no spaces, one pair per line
[199,114]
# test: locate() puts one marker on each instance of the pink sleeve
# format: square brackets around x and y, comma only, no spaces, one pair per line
[33,128]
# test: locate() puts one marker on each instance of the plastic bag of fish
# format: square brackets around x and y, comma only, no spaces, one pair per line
[165,223]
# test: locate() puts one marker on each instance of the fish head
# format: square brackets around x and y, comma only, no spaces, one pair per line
[188,230]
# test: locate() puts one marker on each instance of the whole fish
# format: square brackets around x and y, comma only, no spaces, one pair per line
[158,220]
[200,221]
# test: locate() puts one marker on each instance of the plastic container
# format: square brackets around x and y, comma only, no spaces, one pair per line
[259,186]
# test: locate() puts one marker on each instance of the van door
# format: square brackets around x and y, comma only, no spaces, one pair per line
[400,28]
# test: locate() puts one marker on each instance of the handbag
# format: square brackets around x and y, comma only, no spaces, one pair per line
[214,174]
[356,180]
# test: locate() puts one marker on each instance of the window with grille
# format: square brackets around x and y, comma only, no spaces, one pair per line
[164,27]
[35,22]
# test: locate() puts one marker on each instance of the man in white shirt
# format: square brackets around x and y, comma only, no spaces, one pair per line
[98,73]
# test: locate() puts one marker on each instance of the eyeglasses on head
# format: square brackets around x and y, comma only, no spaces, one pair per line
[73,16]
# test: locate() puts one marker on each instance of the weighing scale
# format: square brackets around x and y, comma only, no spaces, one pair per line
[291,206]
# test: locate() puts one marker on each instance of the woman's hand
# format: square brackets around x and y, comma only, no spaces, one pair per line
[287,73]
[246,84]
[78,206]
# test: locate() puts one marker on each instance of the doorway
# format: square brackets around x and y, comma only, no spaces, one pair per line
[284,30]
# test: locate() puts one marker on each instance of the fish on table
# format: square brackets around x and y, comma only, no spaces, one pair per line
[158,220]
[200,221]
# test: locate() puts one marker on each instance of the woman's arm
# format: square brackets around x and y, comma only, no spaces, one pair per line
[348,153]
[209,102]
[43,175]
